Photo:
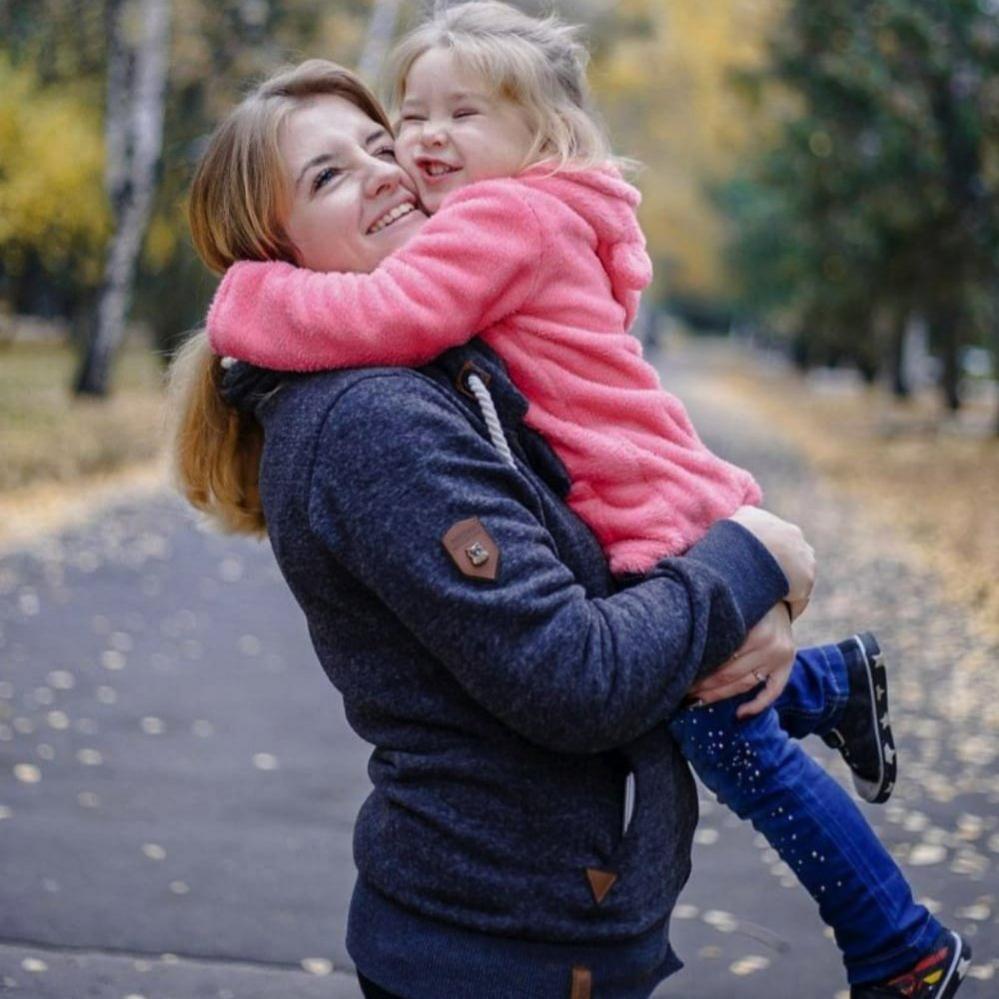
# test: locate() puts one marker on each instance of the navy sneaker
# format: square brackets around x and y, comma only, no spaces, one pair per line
[863,733]
[936,976]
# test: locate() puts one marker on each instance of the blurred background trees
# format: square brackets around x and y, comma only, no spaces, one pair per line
[823,172]
[875,205]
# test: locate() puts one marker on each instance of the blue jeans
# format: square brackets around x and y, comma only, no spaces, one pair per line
[755,768]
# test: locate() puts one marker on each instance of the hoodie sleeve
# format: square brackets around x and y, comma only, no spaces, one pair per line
[471,265]
[398,465]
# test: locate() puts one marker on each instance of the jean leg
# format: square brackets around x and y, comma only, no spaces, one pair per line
[755,769]
[816,692]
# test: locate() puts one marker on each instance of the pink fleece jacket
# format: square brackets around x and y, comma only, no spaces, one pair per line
[548,270]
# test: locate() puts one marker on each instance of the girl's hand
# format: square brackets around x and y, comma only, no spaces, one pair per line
[766,656]
[787,544]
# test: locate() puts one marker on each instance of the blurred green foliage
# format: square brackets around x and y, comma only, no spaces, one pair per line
[878,197]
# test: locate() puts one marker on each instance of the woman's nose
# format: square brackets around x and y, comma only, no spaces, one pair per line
[383,177]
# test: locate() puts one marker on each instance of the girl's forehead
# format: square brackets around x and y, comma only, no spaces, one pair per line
[444,72]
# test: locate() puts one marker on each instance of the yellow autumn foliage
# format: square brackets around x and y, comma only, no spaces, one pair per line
[668,97]
[51,183]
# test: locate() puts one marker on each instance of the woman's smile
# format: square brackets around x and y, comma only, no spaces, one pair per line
[392,215]
[365,206]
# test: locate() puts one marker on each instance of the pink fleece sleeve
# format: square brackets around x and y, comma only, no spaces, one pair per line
[475,262]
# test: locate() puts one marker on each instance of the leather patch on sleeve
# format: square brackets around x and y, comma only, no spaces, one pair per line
[582,983]
[472,549]
[601,882]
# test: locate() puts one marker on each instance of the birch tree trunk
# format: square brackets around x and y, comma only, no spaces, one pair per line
[381,27]
[138,52]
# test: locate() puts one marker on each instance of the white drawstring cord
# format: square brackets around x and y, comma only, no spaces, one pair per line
[485,401]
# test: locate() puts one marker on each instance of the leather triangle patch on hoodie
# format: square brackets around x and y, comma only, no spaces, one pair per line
[601,882]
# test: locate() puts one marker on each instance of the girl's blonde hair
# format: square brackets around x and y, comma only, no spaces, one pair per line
[538,63]
[235,211]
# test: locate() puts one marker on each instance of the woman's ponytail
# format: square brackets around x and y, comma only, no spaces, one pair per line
[215,447]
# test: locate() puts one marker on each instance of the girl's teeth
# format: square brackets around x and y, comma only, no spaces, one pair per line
[436,169]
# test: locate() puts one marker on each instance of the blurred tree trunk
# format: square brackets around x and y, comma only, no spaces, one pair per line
[900,386]
[946,332]
[138,50]
[381,28]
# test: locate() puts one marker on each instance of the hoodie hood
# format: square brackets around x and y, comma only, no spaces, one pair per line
[247,387]
[608,203]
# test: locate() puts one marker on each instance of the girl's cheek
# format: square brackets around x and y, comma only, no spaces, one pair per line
[404,155]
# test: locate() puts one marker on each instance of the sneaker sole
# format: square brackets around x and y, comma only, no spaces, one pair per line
[879,791]
[916,983]
[957,968]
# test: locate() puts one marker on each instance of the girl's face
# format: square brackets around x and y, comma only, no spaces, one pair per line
[454,130]
[349,203]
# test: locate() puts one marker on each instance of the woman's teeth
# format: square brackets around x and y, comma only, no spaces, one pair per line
[391,216]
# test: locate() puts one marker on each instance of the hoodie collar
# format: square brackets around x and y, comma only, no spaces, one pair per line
[246,386]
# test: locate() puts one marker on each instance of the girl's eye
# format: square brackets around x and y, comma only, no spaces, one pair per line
[386,151]
[412,117]
[465,113]
[324,177]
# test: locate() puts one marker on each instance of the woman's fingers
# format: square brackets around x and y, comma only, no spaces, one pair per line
[776,682]
[724,693]
[768,649]
[736,669]
[718,687]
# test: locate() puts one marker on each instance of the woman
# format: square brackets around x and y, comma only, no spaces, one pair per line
[465,614]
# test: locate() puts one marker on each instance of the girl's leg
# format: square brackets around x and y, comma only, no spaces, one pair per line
[840,692]
[762,775]
[816,694]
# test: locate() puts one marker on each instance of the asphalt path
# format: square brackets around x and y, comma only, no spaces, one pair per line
[178,782]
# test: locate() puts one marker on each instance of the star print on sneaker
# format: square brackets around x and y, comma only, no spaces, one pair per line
[936,976]
[863,732]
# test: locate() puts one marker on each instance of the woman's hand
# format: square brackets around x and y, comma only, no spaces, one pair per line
[766,656]
[787,544]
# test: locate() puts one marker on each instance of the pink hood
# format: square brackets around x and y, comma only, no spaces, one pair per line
[608,204]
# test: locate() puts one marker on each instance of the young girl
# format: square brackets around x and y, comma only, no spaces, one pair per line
[535,245]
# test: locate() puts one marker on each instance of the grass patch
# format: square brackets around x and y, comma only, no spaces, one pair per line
[932,477]
[50,436]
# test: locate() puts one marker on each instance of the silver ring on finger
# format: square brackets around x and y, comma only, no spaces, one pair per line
[760,679]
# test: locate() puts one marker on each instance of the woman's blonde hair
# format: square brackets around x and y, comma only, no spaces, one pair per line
[538,63]
[235,212]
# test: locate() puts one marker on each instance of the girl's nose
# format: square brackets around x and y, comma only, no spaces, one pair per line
[434,134]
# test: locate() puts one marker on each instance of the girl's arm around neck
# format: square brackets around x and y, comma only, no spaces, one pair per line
[471,265]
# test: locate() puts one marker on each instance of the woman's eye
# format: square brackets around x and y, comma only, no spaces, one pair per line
[324,177]
[387,151]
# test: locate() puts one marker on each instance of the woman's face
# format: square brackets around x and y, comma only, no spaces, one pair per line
[350,204]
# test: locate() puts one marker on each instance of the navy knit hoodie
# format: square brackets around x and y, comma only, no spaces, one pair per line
[505,713]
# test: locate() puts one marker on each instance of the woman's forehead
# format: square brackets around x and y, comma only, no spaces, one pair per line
[325,123]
